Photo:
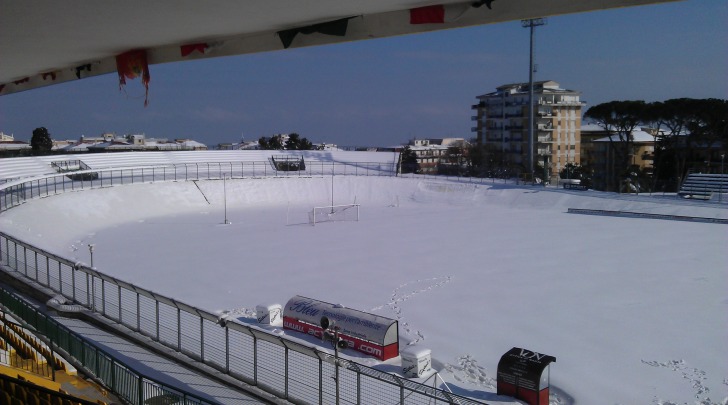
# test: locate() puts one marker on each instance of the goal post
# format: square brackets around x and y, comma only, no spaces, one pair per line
[332,213]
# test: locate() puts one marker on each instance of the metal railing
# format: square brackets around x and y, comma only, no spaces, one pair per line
[14,193]
[282,367]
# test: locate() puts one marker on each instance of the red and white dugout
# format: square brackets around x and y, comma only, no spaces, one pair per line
[371,334]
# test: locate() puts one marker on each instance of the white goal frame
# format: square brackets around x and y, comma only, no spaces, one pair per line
[331,213]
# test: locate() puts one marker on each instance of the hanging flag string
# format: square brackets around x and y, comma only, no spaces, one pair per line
[131,65]
[79,69]
[186,50]
[335,28]
[428,15]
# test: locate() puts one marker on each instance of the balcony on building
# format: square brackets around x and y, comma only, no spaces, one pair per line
[545,139]
[546,127]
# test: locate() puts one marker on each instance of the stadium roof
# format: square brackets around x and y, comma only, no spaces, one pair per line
[44,42]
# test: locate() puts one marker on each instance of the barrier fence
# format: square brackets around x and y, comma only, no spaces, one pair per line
[282,367]
[13,193]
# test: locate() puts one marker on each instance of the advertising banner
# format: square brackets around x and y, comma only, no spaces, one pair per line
[368,333]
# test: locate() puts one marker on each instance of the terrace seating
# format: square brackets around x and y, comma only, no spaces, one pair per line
[702,185]
[19,391]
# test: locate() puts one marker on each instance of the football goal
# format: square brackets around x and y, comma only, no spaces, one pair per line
[347,212]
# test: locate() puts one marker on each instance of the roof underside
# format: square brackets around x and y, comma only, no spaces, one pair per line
[44,42]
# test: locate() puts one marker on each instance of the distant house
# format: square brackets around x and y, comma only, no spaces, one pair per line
[243,145]
[598,152]
[9,144]
[139,142]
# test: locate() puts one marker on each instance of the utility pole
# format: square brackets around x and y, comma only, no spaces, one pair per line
[531,23]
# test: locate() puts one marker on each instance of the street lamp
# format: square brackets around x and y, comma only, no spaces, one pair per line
[91,251]
[93,284]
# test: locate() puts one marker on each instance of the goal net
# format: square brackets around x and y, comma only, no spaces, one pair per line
[347,212]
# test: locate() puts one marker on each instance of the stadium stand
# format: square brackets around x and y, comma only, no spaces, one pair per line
[27,378]
[703,185]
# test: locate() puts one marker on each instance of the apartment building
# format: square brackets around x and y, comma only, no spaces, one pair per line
[432,154]
[502,126]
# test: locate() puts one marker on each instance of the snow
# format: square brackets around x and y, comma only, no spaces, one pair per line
[633,309]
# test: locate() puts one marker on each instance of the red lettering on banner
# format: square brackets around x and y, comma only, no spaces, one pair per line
[372,349]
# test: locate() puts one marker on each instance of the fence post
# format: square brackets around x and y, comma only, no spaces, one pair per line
[73,282]
[255,360]
[119,292]
[285,376]
[179,329]
[103,296]
[202,339]
[139,311]
[88,292]
[141,389]
[227,350]
[321,380]
[156,302]
[60,284]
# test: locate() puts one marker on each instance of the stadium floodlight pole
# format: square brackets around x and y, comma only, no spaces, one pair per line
[531,23]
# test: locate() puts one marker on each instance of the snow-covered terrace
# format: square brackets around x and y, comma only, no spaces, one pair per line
[38,166]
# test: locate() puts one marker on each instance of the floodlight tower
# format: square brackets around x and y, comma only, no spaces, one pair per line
[531,23]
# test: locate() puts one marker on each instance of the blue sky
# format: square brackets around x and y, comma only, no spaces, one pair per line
[386,91]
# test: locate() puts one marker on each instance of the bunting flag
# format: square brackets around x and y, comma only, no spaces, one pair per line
[131,65]
[52,75]
[79,69]
[428,15]
[186,50]
[21,81]
[336,28]
[487,3]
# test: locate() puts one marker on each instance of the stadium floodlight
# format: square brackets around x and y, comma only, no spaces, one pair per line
[531,23]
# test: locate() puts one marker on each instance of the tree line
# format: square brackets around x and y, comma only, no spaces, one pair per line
[276,142]
[690,134]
